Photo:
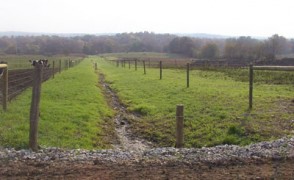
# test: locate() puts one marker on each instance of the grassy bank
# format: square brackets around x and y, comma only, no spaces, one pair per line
[216,106]
[73,113]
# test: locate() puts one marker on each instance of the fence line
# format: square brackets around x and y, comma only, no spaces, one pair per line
[20,79]
[190,66]
[274,68]
[251,77]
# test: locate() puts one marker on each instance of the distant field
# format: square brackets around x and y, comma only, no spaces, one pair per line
[216,105]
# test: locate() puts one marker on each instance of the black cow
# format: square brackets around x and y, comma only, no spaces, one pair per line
[43,62]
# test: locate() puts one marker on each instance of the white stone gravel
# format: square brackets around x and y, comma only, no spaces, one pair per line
[278,149]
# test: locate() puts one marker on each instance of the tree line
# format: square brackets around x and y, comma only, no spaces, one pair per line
[239,48]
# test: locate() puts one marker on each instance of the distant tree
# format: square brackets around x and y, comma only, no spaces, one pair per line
[11,50]
[230,48]
[209,51]
[276,45]
[4,43]
[242,48]
[182,45]
[291,43]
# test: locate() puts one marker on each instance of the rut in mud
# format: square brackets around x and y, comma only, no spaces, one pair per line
[126,140]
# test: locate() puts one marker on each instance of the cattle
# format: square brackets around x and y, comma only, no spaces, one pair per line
[43,62]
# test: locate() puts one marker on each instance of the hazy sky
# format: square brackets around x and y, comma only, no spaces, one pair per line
[225,17]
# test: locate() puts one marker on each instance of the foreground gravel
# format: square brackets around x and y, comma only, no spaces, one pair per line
[265,160]
[278,149]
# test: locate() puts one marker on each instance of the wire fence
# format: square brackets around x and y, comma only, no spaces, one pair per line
[180,63]
[21,75]
[237,91]
[239,72]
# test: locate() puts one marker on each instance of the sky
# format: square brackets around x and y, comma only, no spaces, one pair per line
[223,17]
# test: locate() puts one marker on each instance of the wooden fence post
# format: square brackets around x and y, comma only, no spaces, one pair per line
[180,126]
[129,64]
[160,71]
[144,67]
[135,64]
[35,109]
[117,63]
[188,75]
[250,86]
[59,66]
[53,69]
[5,86]
[95,66]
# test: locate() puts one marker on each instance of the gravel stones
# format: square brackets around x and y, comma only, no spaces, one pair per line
[278,149]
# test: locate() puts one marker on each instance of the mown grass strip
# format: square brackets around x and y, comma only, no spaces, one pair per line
[73,113]
[216,106]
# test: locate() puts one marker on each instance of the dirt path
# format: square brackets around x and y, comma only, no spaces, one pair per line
[266,169]
[126,140]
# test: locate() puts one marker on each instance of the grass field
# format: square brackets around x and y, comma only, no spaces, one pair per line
[216,106]
[73,114]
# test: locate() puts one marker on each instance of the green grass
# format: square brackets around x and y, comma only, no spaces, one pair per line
[73,113]
[216,106]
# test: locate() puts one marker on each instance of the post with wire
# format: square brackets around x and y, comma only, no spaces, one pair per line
[188,75]
[4,78]
[160,70]
[250,86]
[180,126]
[144,67]
[35,104]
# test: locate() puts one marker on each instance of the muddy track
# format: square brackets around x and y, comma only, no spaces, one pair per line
[126,140]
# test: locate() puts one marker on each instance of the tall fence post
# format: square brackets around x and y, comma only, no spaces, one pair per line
[68,63]
[59,66]
[188,75]
[95,66]
[35,109]
[117,63]
[53,69]
[180,126]
[250,86]
[144,67]
[135,64]
[5,86]
[160,71]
